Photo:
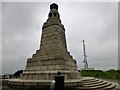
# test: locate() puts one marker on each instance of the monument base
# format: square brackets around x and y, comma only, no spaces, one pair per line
[49,75]
[41,84]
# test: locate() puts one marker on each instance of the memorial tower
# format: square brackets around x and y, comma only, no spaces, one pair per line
[52,55]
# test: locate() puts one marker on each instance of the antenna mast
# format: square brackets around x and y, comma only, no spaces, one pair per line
[85,57]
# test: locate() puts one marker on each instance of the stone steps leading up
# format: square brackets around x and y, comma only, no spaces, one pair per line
[101,86]
[98,84]
[112,86]
[87,83]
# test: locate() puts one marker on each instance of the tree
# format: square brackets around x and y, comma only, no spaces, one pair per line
[17,74]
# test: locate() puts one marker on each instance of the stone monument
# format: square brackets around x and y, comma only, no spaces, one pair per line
[50,58]
[53,55]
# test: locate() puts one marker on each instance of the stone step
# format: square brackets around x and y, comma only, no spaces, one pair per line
[109,87]
[89,83]
[90,80]
[112,86]
[96,84]
[117,87]
[86,78]
[101,86]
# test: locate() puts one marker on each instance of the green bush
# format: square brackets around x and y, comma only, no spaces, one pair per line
[111,74]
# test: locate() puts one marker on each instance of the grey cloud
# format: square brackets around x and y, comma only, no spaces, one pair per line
[99,29]
[94,22]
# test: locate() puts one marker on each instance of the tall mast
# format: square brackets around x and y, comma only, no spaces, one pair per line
[85,56]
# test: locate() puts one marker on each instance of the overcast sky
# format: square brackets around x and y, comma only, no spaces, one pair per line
[95,22]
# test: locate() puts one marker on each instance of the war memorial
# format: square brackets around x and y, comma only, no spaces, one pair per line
[53,57]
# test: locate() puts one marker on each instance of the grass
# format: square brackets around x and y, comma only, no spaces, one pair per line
[111,74]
